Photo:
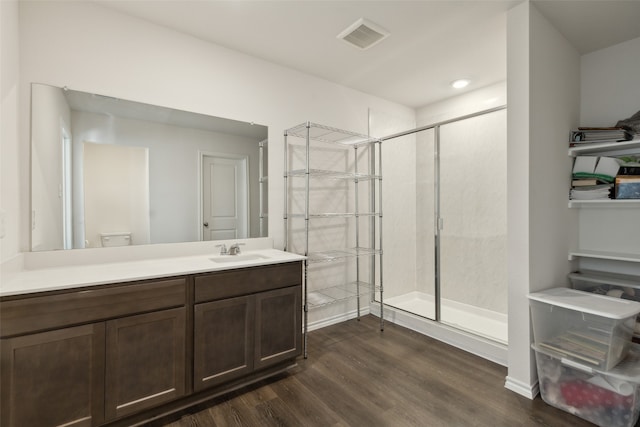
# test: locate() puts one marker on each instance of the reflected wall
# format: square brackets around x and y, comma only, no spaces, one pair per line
[174,142]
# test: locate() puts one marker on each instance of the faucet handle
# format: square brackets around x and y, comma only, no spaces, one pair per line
[235,248]
[223,249]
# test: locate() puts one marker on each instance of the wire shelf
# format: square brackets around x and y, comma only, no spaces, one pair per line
[329,134]
[334,294]
[335,255]
[333,215]
[329,174]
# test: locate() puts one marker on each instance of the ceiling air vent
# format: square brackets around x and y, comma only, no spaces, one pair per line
[363,34]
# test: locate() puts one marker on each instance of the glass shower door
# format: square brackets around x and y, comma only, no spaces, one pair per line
[473,232]
[409,218]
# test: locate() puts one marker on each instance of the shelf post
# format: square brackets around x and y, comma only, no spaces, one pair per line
[261,145]
[355,183]
[286,192]
[306,238]
[380,234]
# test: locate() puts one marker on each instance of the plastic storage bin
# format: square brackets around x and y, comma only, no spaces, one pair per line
[606,398]
[614,285]
[587,328]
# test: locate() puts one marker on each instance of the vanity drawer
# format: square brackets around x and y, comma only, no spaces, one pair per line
[37,313]
[233,283]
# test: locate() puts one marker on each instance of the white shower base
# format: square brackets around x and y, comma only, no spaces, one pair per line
[486,323]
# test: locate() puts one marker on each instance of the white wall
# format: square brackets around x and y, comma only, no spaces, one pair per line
[470,102]
[173,169]
[13,151]
[51,117]
[610,91]
[89,48]
[543,97]
[116,196]
[609,84]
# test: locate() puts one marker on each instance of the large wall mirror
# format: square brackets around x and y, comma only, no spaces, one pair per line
[111,172]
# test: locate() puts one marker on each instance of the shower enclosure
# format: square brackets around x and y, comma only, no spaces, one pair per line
[445,246]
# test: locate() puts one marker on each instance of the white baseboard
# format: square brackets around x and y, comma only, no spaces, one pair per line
[526,390]
[482,347]
[338,318]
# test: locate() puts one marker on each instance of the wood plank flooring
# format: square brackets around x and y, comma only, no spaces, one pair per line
[358,376]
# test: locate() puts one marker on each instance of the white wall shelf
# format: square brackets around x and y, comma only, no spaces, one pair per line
[610,203]
[607,227]
[596,278]
[615,256]
[607,148]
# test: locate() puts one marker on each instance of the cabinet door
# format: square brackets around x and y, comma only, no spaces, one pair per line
[278,326]
[223,340]
[145,361]
[54,378]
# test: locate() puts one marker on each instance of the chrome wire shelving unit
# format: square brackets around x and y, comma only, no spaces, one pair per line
[359,161]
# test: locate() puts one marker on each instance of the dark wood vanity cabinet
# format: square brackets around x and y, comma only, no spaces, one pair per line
[253,322]
[145,361]
[223,341]
[85,357]
[54,378]
[118,354]
[278,334]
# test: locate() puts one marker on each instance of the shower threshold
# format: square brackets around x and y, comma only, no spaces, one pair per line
[485,323]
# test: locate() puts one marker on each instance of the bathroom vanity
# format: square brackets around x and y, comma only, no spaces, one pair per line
[127,351]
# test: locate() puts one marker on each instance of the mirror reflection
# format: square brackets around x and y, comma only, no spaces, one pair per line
[111,172]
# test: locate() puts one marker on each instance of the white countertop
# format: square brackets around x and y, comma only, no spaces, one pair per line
[44,277]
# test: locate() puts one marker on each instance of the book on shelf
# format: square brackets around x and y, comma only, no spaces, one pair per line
[592,167]
[582,182]
[629,170]
[587,135]
[630,165]
[592,192]
[628,187]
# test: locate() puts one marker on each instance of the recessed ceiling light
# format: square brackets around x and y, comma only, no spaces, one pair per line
[460,83]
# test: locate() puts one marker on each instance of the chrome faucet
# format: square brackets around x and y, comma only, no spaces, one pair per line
[223,249]
[235,248]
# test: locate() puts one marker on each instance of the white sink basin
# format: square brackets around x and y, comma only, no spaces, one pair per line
[225,259]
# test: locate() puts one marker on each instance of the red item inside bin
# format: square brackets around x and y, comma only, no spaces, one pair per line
[581,394]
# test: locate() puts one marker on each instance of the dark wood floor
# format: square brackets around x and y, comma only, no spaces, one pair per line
[358,376]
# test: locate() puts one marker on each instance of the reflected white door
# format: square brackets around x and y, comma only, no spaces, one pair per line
[224,198]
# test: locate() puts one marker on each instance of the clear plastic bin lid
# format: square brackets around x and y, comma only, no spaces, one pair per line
[588,302]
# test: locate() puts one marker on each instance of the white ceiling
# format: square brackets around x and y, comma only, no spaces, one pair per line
[431,43]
